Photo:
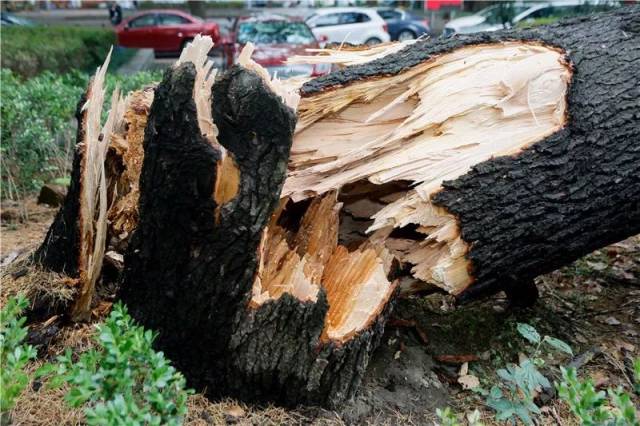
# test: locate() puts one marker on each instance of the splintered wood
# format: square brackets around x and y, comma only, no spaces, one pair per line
[357,290]
[300,261]
[124,162]
[92,226]
[426,125]
[366,160]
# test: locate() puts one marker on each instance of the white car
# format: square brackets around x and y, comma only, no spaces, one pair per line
[505,15]
[348,24]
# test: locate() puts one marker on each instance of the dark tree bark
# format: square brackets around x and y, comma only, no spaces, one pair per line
[60,250]
[191,263]
[567,195]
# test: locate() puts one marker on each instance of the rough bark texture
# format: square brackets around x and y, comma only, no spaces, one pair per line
[189,272]
[184,275]
[276,354]
[60,249]
[567,195]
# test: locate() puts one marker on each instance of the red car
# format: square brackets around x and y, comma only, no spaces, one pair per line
[165,31]
[276,38]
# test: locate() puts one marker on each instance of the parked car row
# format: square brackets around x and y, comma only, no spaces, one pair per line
[276,37]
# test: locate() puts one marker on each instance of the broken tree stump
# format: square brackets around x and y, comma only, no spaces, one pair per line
[243,304]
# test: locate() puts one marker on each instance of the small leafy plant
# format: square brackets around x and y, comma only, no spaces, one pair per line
[521,383]
[14,354]
[591,406]
[123,381]
[447,417]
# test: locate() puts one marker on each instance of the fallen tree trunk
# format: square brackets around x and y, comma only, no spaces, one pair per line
[267,258]
[521,147]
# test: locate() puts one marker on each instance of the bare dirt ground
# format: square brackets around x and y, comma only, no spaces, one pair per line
[592,304]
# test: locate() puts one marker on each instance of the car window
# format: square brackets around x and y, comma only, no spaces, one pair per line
[545,12]
[388,15]
[143,21]
[502,13]
[325,20]
[169,19]
[353,18]
[275,32]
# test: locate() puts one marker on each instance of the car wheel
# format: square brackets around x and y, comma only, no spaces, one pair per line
[372,41]
[406,35]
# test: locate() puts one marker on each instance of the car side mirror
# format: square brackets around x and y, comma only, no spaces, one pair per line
[323,38]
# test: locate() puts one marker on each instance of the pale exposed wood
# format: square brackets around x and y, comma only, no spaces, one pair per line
[288,93]
[197,52]
[346,55]
[357,290]
[301,262]
[93,194]
[127,146]
[293,262]
[426,125]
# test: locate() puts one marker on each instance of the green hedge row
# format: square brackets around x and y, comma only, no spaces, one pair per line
[38,125]
[28,51]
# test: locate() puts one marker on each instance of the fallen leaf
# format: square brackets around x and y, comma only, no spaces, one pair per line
[469,381]
[621,344]
[612,321]
[597,266]
[235,411]
[464,369]
[599,379]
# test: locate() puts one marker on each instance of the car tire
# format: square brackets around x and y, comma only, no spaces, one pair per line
[405,35]
[372,41]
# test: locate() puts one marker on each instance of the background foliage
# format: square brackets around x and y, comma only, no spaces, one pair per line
[28,51]
[38,124]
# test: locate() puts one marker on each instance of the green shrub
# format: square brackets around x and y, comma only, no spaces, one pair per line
[28,51]
[38,125]
[14,354]
[591,407]
[123,380]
